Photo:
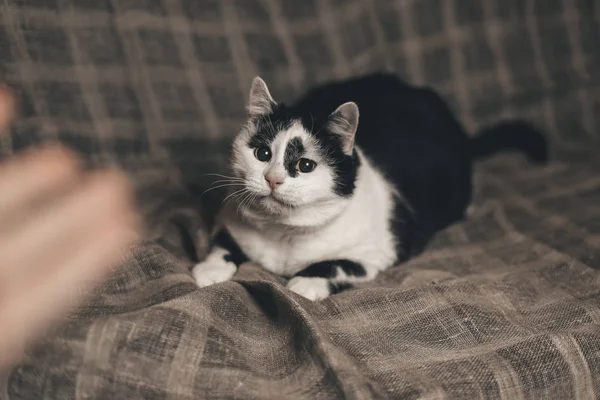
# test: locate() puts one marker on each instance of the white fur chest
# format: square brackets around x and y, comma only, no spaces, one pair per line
[281,253]
[360,233]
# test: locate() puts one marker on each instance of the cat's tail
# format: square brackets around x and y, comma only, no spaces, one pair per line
[510,136]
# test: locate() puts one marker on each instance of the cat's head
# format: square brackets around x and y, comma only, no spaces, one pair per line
[295,162]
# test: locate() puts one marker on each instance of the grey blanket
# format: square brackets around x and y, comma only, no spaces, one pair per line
[505,305]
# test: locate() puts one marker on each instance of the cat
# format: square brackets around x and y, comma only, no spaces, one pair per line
[328,202]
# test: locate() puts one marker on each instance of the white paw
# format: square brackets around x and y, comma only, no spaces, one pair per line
[214,271]
[311,288]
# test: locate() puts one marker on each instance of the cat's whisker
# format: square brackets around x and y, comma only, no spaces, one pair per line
[222,176]
[249,201]
[219,187]
[234,195]
[231,179]
[236,198]
[244,199]
[221,181]
[241,199]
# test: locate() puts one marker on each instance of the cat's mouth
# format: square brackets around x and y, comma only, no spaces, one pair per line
[278,200]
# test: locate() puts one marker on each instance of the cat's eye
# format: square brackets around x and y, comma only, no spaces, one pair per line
[262,153]
[305,165]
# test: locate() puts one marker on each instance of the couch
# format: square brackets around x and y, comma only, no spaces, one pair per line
[504,305]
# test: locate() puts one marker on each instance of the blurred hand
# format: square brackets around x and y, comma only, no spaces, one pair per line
[61,230]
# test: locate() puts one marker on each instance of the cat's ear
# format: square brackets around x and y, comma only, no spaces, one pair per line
[344,122]
[260,101]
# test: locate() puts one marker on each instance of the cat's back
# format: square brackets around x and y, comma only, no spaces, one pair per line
[400,127]
[392,112]
[412,136]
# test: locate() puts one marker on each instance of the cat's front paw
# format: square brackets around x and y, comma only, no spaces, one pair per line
[214,271]
[311,288]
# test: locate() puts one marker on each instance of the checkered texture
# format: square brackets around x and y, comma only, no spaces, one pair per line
[503,306]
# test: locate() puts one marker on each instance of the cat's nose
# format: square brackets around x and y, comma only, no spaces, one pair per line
[274,180]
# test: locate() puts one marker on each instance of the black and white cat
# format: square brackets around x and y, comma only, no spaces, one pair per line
[327,201]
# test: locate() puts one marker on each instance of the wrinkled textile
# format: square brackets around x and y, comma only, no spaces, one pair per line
[505,305]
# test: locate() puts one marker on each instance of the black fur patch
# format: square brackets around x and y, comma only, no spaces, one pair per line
[346,170]
[338,287]
[328,269]
[224,240]
[410,241]
[293,152]
[268,126]
[345,167]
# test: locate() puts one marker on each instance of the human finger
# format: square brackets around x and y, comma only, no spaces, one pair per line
[32,175]
[56,228]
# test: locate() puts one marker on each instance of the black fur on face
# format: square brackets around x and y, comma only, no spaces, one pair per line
[344,166]
[293,152]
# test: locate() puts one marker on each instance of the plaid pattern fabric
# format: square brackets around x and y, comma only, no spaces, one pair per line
[141,79]
[502,306]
